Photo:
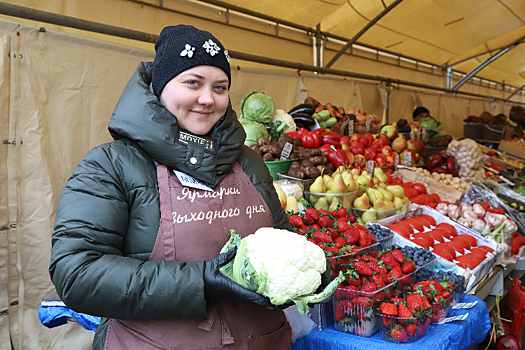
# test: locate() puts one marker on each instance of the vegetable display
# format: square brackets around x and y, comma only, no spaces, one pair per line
[257,107]
[281,265]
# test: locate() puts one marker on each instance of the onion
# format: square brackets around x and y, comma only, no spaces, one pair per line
[479,210]
[464,222]
[470,215]
[442,208]
[478,225]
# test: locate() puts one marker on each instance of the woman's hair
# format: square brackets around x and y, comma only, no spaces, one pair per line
[418,111]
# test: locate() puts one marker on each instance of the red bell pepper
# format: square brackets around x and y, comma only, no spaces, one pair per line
[293,135]
[331,138]
[325,149]
[311,140]
[319,131]
[302,131]
[337,157]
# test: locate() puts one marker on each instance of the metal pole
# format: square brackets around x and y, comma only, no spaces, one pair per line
[449,78]
[515,92]
[361,32]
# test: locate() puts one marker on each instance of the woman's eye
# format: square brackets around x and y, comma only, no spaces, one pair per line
[193,82]
[221,88]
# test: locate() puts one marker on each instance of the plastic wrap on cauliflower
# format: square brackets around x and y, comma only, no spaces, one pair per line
[281,265]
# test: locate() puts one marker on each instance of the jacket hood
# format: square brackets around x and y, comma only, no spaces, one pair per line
[141,117]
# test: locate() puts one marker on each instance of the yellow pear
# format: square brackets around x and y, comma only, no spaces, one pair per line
[398,201]
[339,170]
[391,204]
[351,185]
[405,199]
[374,195]
[362,182]
[291,205]
[380,205]
[379,175]
[321,204]
[281,194]
[328,181]
[356,171]
[387,194]
[335,204]
[397,190]
[362,202]
[369,215]
[338,185]
[313,199]
[318,185]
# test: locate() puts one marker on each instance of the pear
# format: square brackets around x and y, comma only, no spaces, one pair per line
[291,205]
[329,196]
[369,215]
[379,175]
[321,204]
[318,185]
[362,202]
[351,185]
[335,204]
[397,190]
[405,199]
[313,199]
[339,170]
[387,194]
[328,181]
[281,194]
[380,205]
[398,201]
[374,195]
[338,185]
[362,182]
[391,204]
[356,171]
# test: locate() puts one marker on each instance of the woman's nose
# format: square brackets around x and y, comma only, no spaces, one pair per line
[206,98]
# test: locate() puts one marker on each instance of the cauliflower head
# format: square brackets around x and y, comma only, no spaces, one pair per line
[293,265]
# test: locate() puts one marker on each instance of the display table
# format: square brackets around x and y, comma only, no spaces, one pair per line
[455,335]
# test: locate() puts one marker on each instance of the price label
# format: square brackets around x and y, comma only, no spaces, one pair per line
[287,149]
[350,128]
[189,181]
[370,167]
[367,123]
[407,160]
[396,160]
[343,125]
[455,318]
[465,305]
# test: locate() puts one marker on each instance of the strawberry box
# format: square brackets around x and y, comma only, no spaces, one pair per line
[403,330]
[440,309]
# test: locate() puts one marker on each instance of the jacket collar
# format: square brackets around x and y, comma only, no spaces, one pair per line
[140,116]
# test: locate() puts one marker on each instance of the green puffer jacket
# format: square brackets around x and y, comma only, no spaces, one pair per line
[108,213]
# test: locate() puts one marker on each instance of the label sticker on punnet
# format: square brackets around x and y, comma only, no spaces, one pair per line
[370,167]
[455,318]
[189,181]
[350,128]
[465,305]
[287,149]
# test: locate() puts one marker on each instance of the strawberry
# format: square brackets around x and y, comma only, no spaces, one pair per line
[354,280]
[445,294]
[342,212]
[321,237]
[398,333]
[373,266]
[389,260]
[397,301]
[351,236]
[398,255]
[388,309]
[313,213]
[338,313]
[340,242]
[396,272]
[346,292]
[343,225]
[408,267]
[368,287]
[411,329]
[307,219]
[363,239]
[331,250]
[351,218]
[388,321]
[296,221]
[415,303]
[404,312]
[362,302]
[360,227]
[367,258]
[362,269]
[378,279]
[325,221]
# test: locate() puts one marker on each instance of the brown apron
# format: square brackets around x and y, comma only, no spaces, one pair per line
[195,225]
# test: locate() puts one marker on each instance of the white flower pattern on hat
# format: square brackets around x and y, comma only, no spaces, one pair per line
[211,47]
[227,55]
[188,51]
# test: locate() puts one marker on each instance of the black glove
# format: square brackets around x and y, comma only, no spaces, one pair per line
[325,281]
[217,286]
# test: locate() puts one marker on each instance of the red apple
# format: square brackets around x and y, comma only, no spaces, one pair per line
[350,157]
[364,141]
[386,150]
[416,146]
[345,147]
[390,160]
[390,131]
[359,160]
[383,138]
[345,140]
[404,153]
[357,149]
[370,138]
[399,144]
[377,146]
[369,153]
[355,137]
[380,159]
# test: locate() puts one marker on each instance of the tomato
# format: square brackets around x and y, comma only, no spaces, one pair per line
[442,232]
[472,240]
[416,225]
[421,242]
[488,249]
[479,251]
[422,221]
[467,260]
[404,224]
[400,230]
[437,236]
[457,247]
[451,229]
[421,189]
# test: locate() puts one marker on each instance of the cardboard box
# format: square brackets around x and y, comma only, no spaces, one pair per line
[446,193]
[512,149]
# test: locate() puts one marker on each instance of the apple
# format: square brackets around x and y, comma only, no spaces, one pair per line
[404,153]
[383,138]
[399,144]
[416,146]
[386,150]
[380,159]
[365,141]
[390,131]
[345,140]
[390,160]
[357,149]
[371,138]
[359,160]
[350,157]
[355,137]
[377,146]
[369,153]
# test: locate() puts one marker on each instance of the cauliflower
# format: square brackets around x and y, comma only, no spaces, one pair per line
[281,265]
[281,115]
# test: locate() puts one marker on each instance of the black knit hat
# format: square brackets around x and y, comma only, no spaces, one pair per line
[182,47]
[418,111]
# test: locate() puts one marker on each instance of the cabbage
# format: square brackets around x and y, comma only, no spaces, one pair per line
[432,125]
[254,131]
[257,107]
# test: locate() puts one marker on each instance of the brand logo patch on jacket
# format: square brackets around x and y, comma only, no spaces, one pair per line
[184,138]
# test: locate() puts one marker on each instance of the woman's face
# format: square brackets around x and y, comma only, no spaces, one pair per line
[198,97]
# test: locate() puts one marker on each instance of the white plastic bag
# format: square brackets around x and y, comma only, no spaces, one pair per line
[301,325]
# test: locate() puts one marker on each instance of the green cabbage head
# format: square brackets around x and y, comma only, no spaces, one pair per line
[254,131]
[257,107]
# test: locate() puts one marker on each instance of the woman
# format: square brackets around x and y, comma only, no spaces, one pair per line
[141,221]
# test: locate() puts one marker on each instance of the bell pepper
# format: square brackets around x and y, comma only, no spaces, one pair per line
[325,149]
[293,135]
[337,157]
[331,138]
[302,131]
[319,131]
[311,140]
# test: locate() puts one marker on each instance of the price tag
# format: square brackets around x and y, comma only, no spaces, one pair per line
[189,181]
[455,318]
[396,160]
[370,167]
[287,149]
[408,159]
[350,128]
[343,126]
[465,305]
[367,124]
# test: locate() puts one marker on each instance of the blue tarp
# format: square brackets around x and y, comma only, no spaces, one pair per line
[449,336]
[52,313]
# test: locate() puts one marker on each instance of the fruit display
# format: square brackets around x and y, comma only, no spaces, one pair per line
[458,282]
[439,295]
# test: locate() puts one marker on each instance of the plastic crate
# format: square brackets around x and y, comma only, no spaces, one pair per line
[473,130]
[441,309]
[374,215]
[280,166]
[389,324]
[329,201]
